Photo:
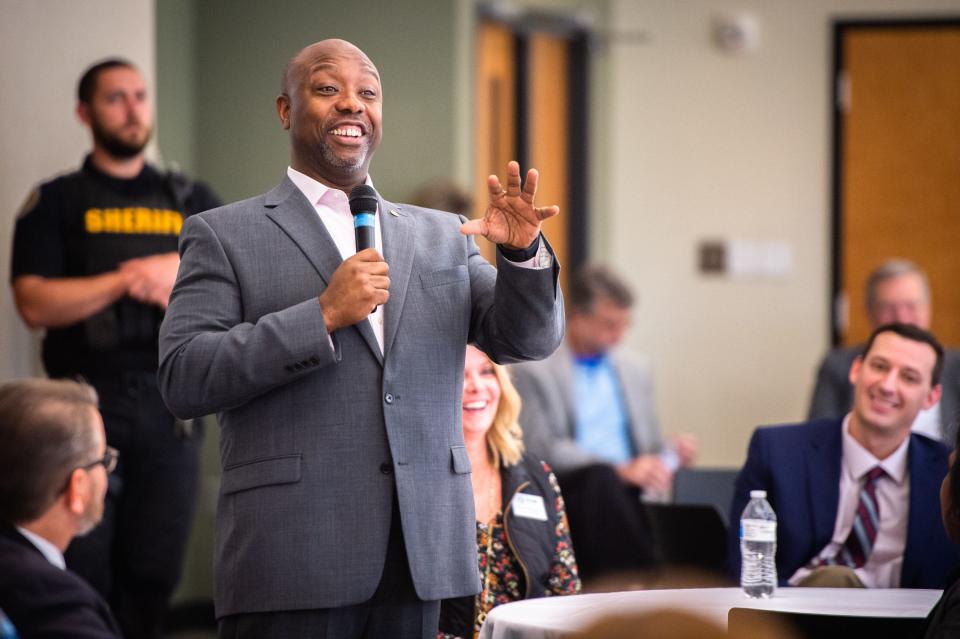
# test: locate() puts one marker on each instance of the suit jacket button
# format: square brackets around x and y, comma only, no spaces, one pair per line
[388,398]
[386,468]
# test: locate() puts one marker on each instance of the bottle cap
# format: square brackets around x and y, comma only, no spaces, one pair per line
[758,494]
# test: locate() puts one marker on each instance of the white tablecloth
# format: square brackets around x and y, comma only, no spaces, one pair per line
[557,617]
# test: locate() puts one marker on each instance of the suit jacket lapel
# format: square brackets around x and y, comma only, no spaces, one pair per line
[396,226]
[823,459]
[296,216]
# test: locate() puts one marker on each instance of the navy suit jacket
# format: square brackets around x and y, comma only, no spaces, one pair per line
[42,600]
[799,467]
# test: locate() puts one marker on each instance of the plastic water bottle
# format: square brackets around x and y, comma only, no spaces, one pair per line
[758,547]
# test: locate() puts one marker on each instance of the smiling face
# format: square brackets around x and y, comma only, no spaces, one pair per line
[481,393]
[892,383]
[332,106]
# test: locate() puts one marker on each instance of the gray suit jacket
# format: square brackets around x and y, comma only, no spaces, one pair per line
[549,416]
[833,394]
[315,441]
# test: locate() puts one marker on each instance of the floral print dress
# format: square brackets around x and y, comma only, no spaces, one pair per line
[501,572]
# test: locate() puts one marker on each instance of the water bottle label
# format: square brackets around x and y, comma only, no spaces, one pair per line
[758,530]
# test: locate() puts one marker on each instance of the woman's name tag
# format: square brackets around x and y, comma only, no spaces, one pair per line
[529,506]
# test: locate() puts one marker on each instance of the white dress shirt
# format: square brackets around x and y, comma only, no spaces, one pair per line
[333,207]
[883,565]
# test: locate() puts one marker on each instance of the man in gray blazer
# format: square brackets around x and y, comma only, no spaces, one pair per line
[345,506]
[896,291]
[554,424]
[588,411]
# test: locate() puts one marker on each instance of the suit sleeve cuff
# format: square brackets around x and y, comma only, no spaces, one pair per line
[520,255]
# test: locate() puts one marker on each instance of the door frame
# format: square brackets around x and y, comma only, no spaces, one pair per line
[579,37]
[841,28]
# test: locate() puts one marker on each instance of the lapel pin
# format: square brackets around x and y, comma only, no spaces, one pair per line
[394,213]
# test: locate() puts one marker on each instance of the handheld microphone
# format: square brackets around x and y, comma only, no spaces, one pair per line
[363,205]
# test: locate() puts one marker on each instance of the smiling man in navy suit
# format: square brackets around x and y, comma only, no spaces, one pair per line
[857,499]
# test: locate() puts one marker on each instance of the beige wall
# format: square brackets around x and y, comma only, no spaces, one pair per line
[45,46]
[709,145]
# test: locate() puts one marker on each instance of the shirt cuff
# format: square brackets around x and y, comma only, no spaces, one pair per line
[535,256]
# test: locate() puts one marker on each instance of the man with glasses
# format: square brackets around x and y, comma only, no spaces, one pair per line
[54,463]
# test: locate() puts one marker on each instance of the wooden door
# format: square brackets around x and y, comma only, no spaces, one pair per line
[897,169]
[526,110]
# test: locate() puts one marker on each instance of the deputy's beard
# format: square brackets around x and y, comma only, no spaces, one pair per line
[117,146]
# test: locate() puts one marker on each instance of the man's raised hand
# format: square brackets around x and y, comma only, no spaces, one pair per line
[511,219]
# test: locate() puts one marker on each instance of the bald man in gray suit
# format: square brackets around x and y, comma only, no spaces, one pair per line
[346,508]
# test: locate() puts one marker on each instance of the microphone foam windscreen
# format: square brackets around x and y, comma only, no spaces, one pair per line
[363,199]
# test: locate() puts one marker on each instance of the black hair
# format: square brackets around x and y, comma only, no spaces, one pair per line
[88,81]
[916,334]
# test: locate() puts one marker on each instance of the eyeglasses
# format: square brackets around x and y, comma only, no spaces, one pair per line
[109,460]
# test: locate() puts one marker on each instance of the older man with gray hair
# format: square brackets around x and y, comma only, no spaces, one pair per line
[55,464]
[896,291]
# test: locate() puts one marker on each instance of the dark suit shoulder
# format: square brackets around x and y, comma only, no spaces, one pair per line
[937,449]
[43,600]
[841,357]
[795,434]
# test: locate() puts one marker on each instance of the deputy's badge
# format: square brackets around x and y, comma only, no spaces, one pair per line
[31,202]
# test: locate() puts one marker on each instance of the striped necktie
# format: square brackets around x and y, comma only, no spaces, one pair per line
[866,523]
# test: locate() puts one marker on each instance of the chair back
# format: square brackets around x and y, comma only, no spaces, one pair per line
[691,535]
[712,486]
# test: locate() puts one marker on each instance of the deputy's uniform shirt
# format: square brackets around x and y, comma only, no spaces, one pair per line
[86,223]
